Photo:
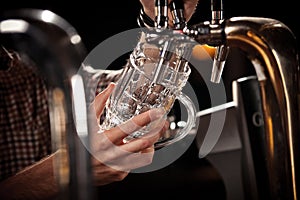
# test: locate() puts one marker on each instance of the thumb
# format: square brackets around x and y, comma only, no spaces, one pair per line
[101,98]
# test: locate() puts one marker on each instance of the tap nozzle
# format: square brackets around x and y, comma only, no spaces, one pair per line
[222,50]
[219,63]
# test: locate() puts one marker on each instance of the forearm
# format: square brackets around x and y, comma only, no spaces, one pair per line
[34,182]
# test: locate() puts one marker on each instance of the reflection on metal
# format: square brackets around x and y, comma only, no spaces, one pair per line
[47,16]
[270,45]
[54,46]
[216,108]
[13,25]
[59,137]
[279,99]
[79,106]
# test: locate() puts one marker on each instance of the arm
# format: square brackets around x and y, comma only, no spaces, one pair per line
[34,182]
[38,181]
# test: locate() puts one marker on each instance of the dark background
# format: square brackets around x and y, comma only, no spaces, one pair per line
[98,20]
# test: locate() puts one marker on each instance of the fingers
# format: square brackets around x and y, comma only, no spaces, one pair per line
[117,133]
[148,150]
[125,157]
[101,98]
[146,141]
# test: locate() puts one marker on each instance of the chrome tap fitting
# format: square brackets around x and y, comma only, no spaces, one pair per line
[222,50]
[161,14]
[207,33]
[177,11]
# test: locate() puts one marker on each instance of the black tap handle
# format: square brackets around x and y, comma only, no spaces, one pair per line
[216,5]
[216,11]
[249,113]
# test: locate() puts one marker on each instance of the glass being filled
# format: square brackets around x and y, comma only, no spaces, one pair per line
[153,77]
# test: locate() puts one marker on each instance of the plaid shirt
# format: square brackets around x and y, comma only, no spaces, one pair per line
[25,135]
[24,122]
[98,80]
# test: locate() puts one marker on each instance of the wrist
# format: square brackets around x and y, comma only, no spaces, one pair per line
[34,182]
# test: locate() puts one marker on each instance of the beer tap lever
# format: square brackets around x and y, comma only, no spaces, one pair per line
[177,11]
[161,14]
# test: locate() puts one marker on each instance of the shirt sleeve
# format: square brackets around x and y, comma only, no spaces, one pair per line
[96,80]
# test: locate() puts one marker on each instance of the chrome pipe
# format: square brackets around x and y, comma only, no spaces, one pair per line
[57,51]
[271,47]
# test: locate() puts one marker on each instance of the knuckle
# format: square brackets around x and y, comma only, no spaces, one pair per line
[145,143]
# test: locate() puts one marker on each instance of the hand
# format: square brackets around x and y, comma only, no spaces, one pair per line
[112,159]
[189,8]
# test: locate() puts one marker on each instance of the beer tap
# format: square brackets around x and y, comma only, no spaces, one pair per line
[271,47]
[183,51]
[212,33]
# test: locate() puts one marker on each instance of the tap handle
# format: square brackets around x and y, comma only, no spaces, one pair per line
[216,11]
[250,118]
[179,22]
[161,14]
[177,11]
